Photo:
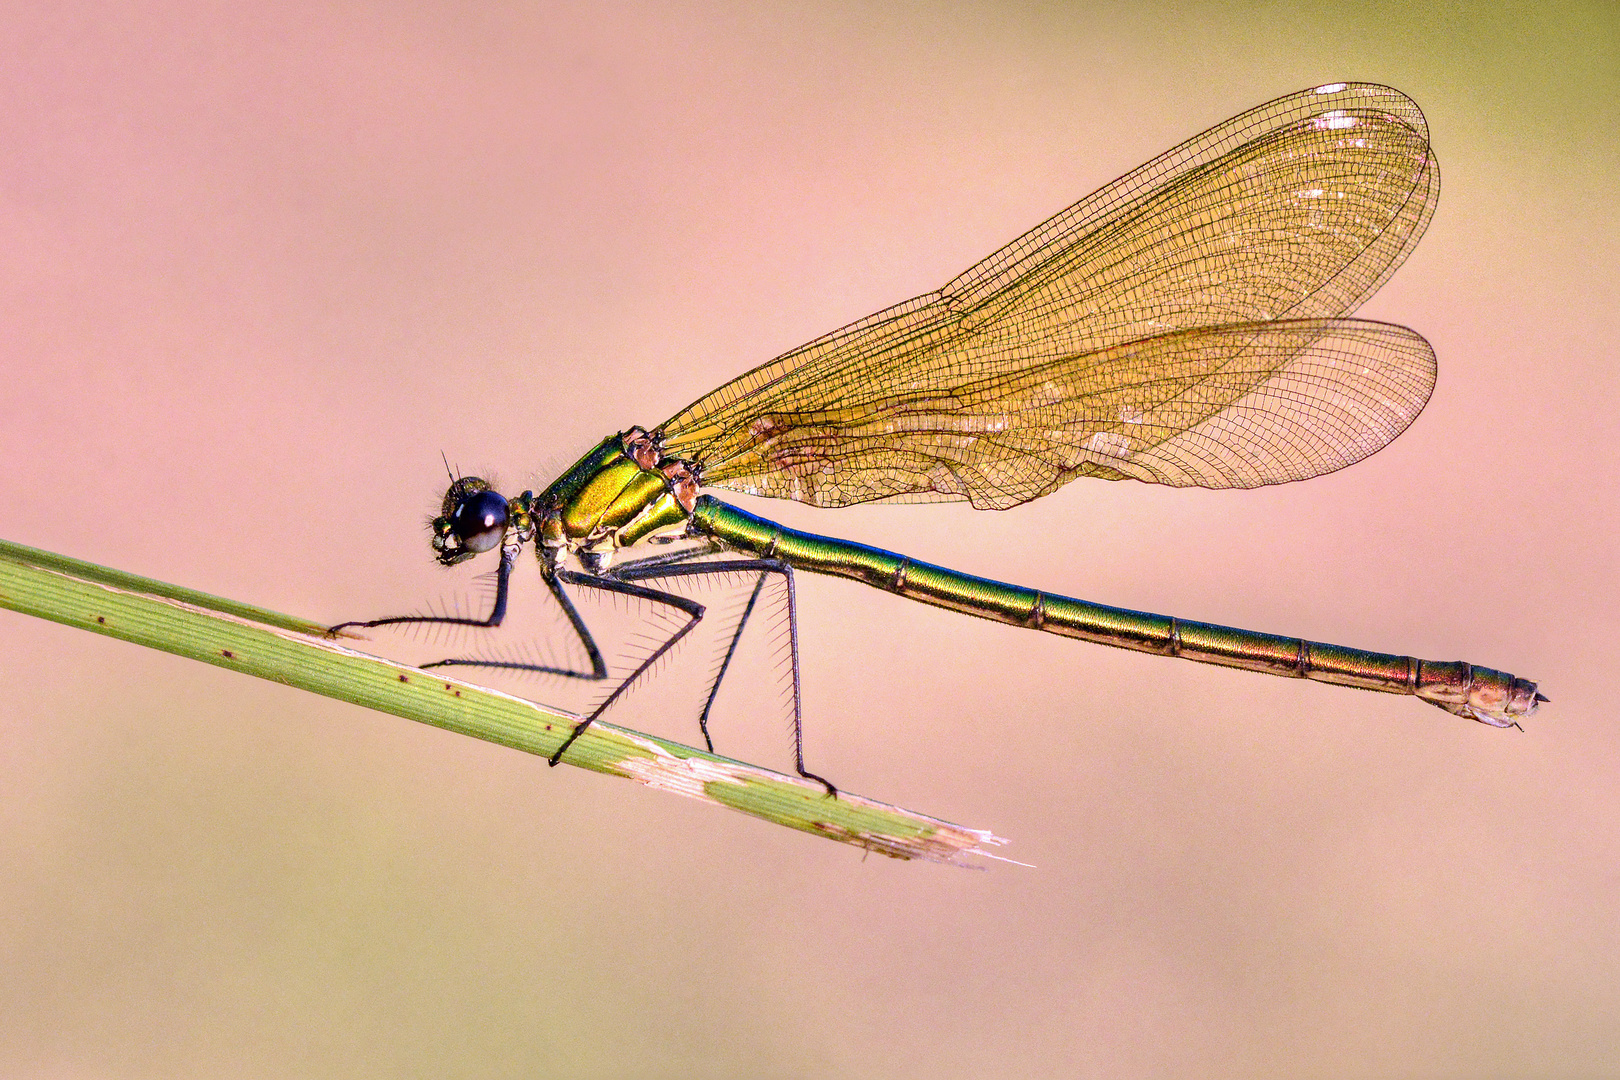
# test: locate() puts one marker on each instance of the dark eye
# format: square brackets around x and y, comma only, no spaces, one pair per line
[479,521]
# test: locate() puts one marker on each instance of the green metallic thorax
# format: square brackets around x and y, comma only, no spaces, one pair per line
[608,499]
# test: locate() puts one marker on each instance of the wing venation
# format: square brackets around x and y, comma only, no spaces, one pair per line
[1218,407]
[1255,237]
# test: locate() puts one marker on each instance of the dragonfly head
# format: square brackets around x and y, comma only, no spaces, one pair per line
[474,519]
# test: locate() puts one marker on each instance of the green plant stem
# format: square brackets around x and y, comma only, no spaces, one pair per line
[298,653]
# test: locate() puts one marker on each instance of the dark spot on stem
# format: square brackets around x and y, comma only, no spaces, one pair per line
[403,678]
[101,618]
[227,654]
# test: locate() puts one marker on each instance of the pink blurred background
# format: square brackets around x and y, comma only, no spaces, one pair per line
[259,266]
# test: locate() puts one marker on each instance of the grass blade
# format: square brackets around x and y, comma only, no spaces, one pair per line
[296,652]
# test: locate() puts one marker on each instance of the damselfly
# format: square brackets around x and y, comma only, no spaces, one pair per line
[1184,325]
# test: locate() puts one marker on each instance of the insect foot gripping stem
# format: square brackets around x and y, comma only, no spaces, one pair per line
[1491,697]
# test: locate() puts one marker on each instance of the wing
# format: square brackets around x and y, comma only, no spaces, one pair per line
[1297,210]
[1216,407]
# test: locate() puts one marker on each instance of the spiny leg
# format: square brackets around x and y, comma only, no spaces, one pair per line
[503,582]
[644,572]
[620,580]
[731,651]
[694,614]
[598,670]
[643,569]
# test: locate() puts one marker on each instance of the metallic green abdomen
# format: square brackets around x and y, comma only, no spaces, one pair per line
[1483,694]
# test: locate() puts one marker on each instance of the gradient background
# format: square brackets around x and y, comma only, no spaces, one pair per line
[260,267]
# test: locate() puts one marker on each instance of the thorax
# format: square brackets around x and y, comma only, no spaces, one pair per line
[622,493]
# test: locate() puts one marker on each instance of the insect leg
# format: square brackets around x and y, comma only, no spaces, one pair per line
[694,614]
[598,665]
[503,582]
[763,567]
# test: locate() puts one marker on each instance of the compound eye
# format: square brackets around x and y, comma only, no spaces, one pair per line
[479,521]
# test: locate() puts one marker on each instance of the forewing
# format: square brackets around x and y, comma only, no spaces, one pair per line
[1298,209]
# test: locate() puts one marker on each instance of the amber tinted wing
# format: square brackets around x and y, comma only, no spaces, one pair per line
[1156,297]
